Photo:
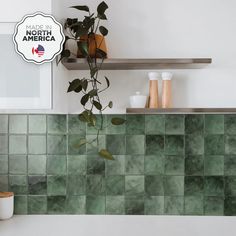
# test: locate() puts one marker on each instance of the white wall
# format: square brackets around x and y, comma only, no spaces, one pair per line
[171,29]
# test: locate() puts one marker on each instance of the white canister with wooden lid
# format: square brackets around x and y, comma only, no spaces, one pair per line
[6,205]
[166,90]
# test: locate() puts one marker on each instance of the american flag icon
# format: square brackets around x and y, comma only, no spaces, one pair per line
[38,50]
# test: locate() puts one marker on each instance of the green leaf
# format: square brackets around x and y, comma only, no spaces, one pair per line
[97,105]
[103,31]
[84,84]
[84,99]
[102,17]
[102,7]
[74,85]
[81,143]
[81,8]
[84,117]
[79,89]
[117,121]
[110,105]
[93,92]
[105,154]
[64,54]
[93,119]
[108,82]
[83,47]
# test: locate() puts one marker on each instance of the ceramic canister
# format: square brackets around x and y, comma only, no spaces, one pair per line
[6,205]
[138,100]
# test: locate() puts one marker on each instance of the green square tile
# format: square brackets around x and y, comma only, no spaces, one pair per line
[76,205]
[135,144]
[95,185]
[36,144]
[214,145]
[3,183]
[17,124]
[37,164]
[214,186]
[154,165]
[174,165]
[154,144]
[17,164]
[37,185]
[3,164]
[116,144]
[115,185]
[95,205]
[20,205]
[75,126]
[134,165]
[93,145]
[3,144]
[95,165]
[214,206]
[56,205]
[101,124]
[154,185]
[174,124]
[174,185]
[134,185]
[135,124]
[77,165]
[194,124]
[230,144]
[115,129]
[174,205]
[154,205]
[230,186]
[214,124]
[37,205]
[193,186]
[134,205]
[18,184]
[174,145]
[155,124]
[56,164]
[193,205]
[73,145]
[230,165]
[56,144]
[17,144]
[230,206]
[3,124]
[194,165]
[56,185]
[115,205]
[116,166]
[214,165]
[230,124]
[57,124]
[194,144]
[76,185]
[37,124]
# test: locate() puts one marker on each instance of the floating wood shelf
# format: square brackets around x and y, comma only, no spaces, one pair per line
[180,110]
[140,64]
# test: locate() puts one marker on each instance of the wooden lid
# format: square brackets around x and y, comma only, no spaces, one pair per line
[6,194]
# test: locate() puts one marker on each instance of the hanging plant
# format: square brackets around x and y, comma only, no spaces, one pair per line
[90,38]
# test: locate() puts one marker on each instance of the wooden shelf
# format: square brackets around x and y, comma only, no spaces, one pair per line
[140,64]
[180,110]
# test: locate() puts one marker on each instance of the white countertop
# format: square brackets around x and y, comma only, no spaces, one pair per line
[85,225]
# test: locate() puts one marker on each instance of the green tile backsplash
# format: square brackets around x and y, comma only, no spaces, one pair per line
[164,165]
